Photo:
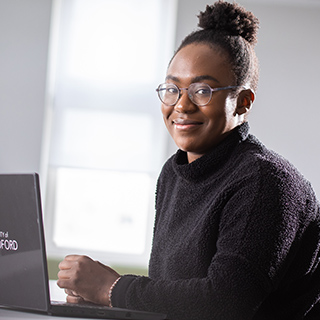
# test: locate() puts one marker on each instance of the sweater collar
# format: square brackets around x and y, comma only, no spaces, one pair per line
[210,162]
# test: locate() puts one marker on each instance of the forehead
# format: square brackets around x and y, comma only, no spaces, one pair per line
[200,61]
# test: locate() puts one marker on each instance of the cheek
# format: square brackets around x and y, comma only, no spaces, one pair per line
[215,115]
[166,112]
[221,113]
[163,110]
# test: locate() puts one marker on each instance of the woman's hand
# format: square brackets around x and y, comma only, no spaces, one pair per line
[86,280]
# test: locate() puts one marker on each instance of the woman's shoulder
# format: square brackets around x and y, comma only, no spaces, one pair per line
[269,165]
[264,158]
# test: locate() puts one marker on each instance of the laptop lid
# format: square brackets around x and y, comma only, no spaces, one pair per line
[23,265]
[24,282]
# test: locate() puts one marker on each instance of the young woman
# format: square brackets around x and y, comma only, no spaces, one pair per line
[237,227]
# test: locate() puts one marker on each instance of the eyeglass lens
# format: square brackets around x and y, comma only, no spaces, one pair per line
[199,93]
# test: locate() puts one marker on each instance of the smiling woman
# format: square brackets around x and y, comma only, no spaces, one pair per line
[196,130]
[237,228]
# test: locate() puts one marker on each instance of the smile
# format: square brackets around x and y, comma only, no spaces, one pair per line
[185,124]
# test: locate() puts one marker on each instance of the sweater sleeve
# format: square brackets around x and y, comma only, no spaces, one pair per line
[119,291]
[262,226]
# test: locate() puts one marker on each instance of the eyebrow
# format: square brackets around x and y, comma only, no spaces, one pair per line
[193,80]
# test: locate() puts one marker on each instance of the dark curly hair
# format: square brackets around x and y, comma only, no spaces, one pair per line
[231,29]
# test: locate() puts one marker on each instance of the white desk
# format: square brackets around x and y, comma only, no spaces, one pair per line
[6,314]
[56,294]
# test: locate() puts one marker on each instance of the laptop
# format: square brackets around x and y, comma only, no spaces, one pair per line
[24,282]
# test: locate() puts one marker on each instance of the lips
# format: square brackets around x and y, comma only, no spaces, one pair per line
[180,123]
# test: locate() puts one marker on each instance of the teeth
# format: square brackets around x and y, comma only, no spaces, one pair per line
[184,122]
[179,121]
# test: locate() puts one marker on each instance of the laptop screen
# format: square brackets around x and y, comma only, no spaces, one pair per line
[23,273]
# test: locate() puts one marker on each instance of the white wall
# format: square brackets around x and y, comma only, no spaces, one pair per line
[286,113]
[24,31]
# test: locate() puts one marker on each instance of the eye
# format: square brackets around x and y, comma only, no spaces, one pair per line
[172,90]
[202,91]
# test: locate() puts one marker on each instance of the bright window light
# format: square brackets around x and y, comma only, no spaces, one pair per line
[111,40]
[105,133]
[101,210]
[103,139]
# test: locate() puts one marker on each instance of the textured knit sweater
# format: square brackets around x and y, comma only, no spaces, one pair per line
[236,236]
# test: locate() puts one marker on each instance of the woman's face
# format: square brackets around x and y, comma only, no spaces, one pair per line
[197,129]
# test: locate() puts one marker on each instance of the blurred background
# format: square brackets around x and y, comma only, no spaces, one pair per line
[78,105]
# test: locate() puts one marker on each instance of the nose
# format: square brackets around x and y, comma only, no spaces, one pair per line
[184,104]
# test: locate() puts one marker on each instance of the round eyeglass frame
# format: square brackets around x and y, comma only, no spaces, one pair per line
[163,86]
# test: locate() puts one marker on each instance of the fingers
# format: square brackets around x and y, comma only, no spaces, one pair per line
[75,257]
[63,283]
[73,299]
[84,278]
[70,260]
[71,264]
[64,275]
[72,270]
[71,293]
[65,272]
[65,264]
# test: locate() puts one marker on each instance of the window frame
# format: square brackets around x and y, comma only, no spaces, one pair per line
[48,174]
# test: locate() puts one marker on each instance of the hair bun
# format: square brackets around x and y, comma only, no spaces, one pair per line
[231,19]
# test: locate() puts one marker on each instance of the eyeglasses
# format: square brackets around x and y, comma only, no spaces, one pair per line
[199,93]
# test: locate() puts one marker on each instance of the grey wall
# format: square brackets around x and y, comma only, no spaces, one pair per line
[285,114]
[24,35]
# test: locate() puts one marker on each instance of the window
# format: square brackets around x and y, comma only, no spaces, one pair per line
[105,135]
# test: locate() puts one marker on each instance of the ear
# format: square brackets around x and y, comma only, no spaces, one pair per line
[244,102]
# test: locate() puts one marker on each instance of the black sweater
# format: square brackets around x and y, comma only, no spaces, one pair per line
[236,236]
